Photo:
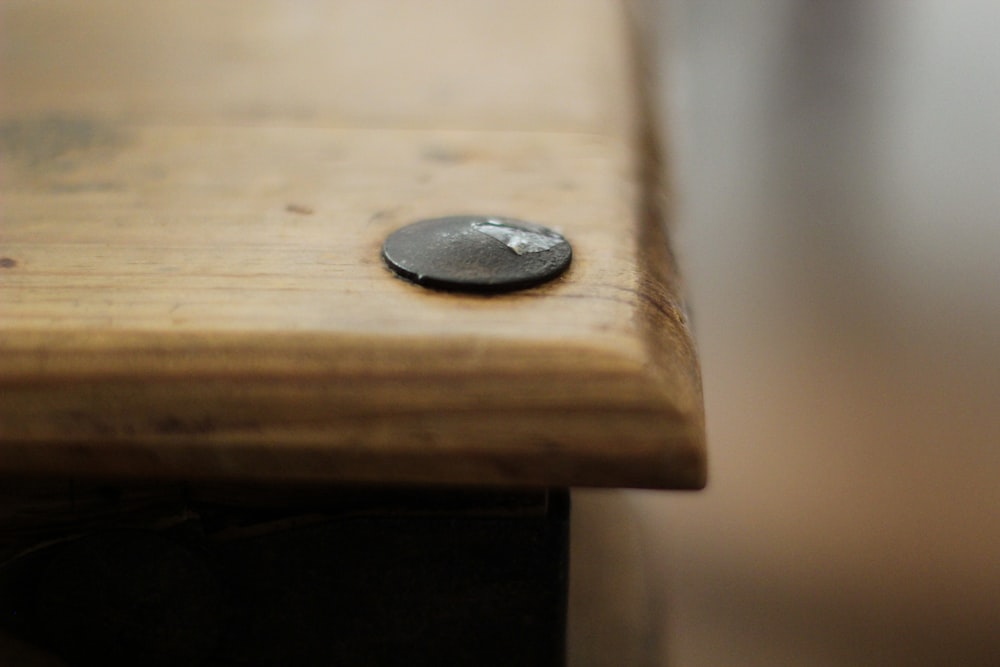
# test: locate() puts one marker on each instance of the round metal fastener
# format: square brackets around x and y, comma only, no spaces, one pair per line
[471,253]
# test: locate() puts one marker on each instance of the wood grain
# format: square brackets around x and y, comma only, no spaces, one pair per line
[193,200]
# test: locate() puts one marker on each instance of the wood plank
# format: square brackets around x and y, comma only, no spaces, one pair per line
[194,196]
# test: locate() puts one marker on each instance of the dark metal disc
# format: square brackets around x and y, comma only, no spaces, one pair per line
[477,253]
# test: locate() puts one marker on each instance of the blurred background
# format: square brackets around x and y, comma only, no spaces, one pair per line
[837,199]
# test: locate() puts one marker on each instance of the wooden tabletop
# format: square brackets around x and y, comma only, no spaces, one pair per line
[193,197]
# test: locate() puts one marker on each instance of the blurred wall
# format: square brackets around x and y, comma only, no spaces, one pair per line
[837,202]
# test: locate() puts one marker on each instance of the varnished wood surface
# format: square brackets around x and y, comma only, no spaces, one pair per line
[193,201]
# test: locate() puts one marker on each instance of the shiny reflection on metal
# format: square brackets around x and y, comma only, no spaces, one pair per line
[485,254]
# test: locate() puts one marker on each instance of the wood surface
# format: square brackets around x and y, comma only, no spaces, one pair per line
[193,196]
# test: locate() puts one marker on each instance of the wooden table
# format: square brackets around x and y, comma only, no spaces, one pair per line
[194,313]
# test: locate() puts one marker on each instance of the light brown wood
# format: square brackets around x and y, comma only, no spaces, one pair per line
[193,200]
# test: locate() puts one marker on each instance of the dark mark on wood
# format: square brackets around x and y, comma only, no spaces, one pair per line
[74,188]
[91,424]
[381,215]
[174,426]
[7,263]
[443,154]
[34,142]
[299,209]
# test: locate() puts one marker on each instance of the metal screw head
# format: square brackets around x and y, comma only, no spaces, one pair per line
[471,253]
